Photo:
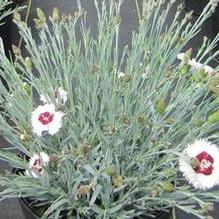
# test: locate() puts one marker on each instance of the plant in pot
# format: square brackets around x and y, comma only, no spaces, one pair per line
[99,131]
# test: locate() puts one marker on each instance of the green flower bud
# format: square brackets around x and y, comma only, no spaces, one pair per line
[125,77]
[111,170]
[16,50]
[125,120]
[95,68]
[55,15]
[168,186]
[27,88]
[141,119]
[16,16]
[214,117]
[79,13]
[25,137]
[207,207]
[84,150]
[40,20]
[170,120]
[117,181]
[28,63]
[187,55]
[161,106]
[111,130]
[214,84]
[200,76]
[170,172]
[116,20]
[40,14]
[184,70]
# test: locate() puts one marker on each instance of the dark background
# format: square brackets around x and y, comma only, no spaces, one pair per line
[10,209]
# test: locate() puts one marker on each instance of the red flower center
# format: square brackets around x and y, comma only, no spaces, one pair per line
[205,163]
[45,118]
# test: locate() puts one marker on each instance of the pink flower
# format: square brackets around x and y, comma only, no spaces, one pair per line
[36,164]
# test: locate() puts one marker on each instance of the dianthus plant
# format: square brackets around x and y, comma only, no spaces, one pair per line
[100,131]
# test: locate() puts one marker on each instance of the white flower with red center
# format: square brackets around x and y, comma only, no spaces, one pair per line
[200,165]
[46,118]
[36,164]
[61,97]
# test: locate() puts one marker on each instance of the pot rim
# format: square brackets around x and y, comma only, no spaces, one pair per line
[26,205]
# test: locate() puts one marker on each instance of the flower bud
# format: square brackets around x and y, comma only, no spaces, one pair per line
[170,120]
[41,19]
[116,20]
[95,68]
[16,16]
[214,117]
[188,55]
[125,120]
[40,14]
[55,15]
[111,130]
[200,76]
[83,149]
[161,106]
[28,63]
[168,186]
[16,50]
[83,190]
[27,88]
[170,172]
[111,170]
[141,119]
[124,77]
[79,13]
[184,70]
[24,137]
[117,181]
[214,84]
[207,207]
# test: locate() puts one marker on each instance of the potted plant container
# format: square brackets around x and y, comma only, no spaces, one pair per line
[110,132]
[31,214]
